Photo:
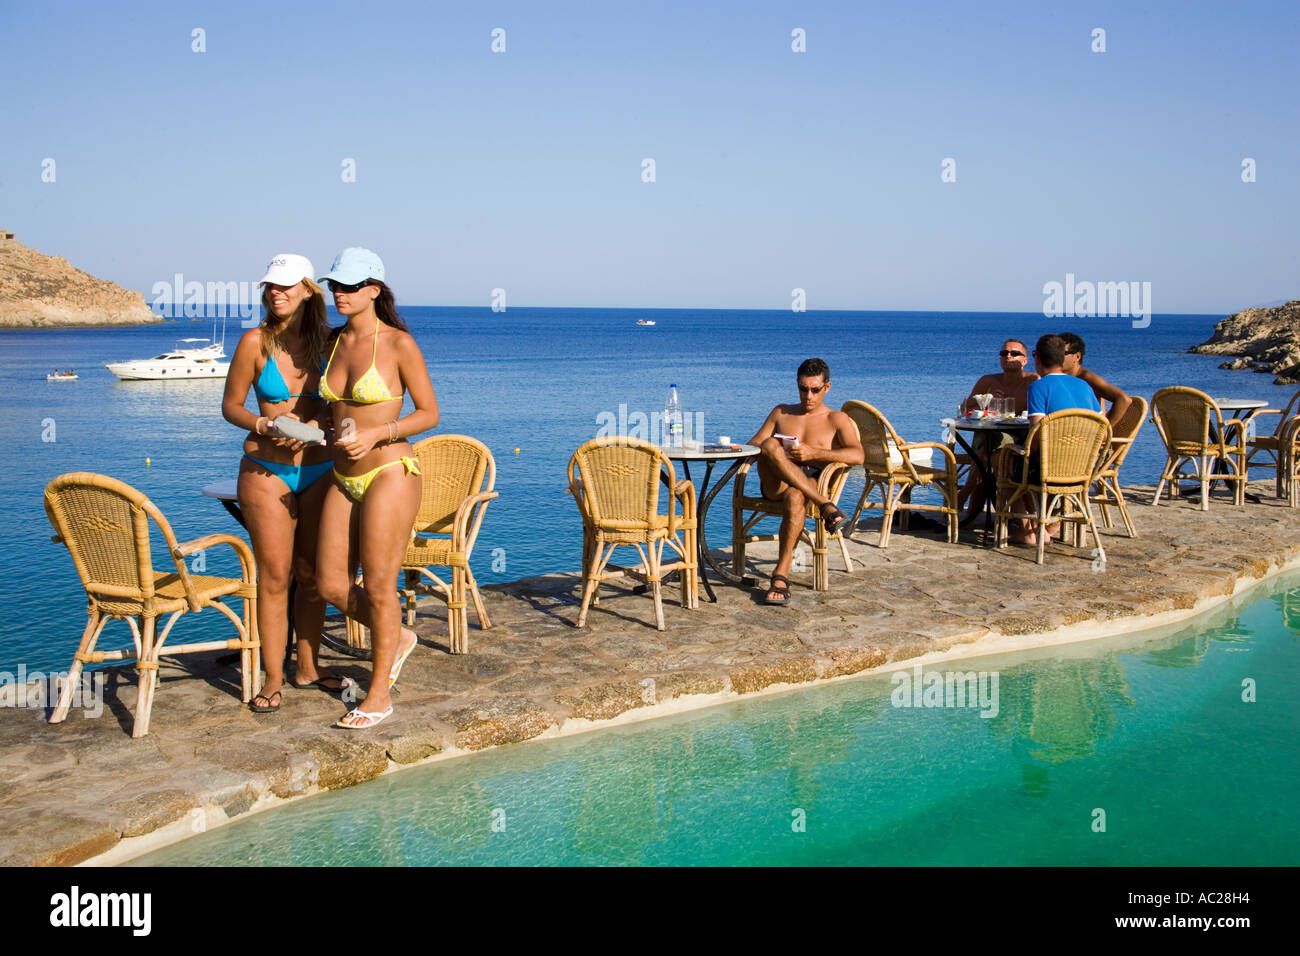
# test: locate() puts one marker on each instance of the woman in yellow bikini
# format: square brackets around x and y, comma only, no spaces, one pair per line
[370,505]
[280,486]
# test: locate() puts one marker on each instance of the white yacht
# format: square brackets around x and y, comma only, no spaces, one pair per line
[191,359]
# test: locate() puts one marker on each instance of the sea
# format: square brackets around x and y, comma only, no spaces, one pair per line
[531,383]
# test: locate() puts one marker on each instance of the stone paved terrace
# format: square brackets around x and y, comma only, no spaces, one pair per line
[73,792]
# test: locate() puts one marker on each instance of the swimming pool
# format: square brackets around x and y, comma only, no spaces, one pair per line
[1140,750]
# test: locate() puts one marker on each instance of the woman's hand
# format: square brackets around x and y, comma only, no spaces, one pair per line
[292,444]
[355,442]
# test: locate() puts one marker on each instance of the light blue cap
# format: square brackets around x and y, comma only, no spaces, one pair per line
[355,265]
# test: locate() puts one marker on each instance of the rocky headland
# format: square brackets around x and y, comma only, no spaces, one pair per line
[37,291]
[1263,340]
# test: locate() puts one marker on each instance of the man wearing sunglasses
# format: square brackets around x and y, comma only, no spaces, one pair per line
[1012,382]
[798,441]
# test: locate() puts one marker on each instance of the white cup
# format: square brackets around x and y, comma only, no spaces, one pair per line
[724,439]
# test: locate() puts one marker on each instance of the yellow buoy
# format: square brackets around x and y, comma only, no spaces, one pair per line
[147,462]
[516,451]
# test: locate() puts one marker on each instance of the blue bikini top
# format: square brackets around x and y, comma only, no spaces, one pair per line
[270,386]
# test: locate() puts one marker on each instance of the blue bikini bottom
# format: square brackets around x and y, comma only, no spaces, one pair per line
[298,478]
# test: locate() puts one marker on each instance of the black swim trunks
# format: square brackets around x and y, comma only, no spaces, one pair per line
[813,471]
[1035,469]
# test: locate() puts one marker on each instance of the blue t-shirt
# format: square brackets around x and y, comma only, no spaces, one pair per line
[1058,391]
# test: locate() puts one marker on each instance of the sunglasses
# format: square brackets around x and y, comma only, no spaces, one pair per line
[1006,352]
[810,390]
[336,286]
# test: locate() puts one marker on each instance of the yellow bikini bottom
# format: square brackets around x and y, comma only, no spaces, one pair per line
[357,485]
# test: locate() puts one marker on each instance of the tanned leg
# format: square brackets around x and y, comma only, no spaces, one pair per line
[270,512]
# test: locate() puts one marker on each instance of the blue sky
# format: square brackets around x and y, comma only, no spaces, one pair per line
[774,170]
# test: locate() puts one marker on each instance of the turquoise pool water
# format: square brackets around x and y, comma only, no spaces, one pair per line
[1152,731]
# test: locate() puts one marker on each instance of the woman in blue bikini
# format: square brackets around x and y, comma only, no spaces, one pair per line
[280,478]
[370,505]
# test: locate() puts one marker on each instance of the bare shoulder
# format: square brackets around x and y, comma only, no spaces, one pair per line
[250,341]
[404,342]
[840,419]
[1091,377]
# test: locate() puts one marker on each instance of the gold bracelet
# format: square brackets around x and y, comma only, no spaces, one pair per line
[257,425]
[393,425]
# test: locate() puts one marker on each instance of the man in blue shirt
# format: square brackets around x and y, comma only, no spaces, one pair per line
[1054,391]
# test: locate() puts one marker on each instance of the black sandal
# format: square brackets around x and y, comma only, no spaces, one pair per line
[835,519]
[782,591]
[270,708]
[343,682]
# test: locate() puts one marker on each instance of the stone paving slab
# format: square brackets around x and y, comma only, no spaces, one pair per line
[72,791]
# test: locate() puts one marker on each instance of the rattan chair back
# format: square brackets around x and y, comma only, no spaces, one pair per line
[878,438]
[1070,445]
[1125,431]
[453,467]
[105,525]
[620,482]
[1183,417]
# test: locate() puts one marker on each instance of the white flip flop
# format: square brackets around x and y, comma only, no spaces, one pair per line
[372,717]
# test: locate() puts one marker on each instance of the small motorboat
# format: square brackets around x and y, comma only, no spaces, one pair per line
[61,376]
[645,321]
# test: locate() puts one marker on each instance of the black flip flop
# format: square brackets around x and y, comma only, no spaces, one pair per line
[783,590]
[270,708]
[834,520]
[344,684]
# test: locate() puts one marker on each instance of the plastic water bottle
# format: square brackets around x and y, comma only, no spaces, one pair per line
[673,419]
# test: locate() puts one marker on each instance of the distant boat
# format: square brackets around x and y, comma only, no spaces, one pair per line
[189,360]
[61,377]
[645,321]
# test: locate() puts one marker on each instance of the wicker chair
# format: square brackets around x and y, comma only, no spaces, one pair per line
[1288,454]
[1069,447]
[829,483]
[896,481]
[1195,432]
[105,524]
[1106,490]
[459,478]
[1271,451]
[615,482]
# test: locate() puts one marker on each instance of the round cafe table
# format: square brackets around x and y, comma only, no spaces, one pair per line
[1018,428]
[1244,410]
[227,492]
[704,497]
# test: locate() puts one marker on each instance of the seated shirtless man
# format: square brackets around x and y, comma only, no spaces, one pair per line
[816,436]
[1012,382]
[1105,392]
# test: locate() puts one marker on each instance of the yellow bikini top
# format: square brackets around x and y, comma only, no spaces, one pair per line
[370,388]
